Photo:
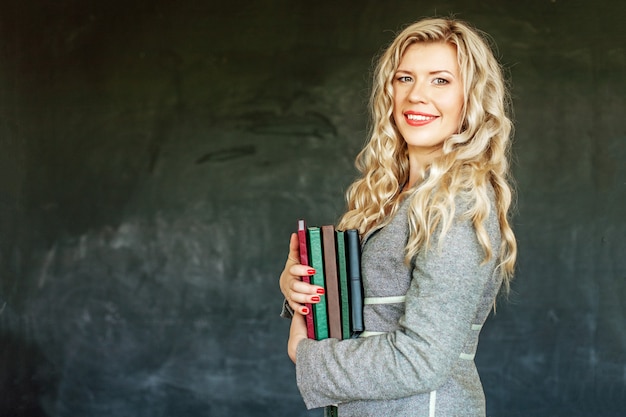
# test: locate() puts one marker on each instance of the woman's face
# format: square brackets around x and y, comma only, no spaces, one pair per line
[427,98]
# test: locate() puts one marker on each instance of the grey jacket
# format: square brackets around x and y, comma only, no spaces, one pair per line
[419,357]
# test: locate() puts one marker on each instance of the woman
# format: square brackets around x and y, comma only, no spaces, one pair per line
[432,210]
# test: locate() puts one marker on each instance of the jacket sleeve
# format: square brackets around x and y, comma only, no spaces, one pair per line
[445,292]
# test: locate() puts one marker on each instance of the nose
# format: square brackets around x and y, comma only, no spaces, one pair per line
[418,94]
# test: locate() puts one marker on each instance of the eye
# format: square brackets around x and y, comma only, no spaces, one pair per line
[440,81]
[404,79]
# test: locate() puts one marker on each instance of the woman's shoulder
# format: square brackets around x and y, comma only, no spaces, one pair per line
[475,209]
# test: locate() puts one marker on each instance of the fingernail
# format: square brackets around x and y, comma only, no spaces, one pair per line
[305,310]
[315,298]
[311,271]
[320,291]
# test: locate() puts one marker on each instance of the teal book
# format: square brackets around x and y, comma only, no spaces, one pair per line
[316,259]
[342,271]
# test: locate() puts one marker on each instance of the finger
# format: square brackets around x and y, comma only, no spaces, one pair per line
[298,270]
[304,288]
[300,298]
[294,249]
[299,308]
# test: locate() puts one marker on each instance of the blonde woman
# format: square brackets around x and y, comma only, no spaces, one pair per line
[432,207]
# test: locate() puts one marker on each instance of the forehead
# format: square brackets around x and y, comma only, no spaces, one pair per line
[430,56]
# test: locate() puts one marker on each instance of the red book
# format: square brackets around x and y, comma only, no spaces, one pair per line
[304,260]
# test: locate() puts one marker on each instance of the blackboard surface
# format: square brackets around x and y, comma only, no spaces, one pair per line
[148,186]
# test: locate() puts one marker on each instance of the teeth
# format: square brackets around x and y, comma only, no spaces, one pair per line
[419,117]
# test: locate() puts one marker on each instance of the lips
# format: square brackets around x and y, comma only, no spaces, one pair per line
[418,119]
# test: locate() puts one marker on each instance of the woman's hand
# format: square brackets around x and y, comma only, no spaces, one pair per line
[296,292]
[297,332]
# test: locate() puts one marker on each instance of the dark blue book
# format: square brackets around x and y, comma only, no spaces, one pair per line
[353,250]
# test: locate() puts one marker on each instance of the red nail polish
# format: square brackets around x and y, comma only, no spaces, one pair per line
[320,291]
[315,298]
[305,311]
[311,271]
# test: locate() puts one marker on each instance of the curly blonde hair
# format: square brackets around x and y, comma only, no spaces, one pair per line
[473,160]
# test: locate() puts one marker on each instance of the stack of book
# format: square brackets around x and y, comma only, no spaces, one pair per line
[336,257]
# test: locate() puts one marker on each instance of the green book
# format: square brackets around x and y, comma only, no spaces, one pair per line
[342,271]
[316,259]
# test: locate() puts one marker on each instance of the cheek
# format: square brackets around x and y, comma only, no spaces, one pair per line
[456,108]
[459,113]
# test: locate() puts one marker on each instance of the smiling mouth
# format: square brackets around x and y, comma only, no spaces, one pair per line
[420,117]
[418,120]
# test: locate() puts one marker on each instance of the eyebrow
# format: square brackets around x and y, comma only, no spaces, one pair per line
[429,73]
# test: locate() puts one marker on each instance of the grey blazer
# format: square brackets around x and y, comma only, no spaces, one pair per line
[422,323]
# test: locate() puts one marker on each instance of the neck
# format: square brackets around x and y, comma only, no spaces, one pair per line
[419,163]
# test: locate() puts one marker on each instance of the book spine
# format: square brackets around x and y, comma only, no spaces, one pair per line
[320,317]
[353,245]
[333,303]
[304,260]
[344,294]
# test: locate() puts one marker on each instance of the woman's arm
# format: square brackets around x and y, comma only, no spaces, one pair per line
[441,303]
[297,333]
